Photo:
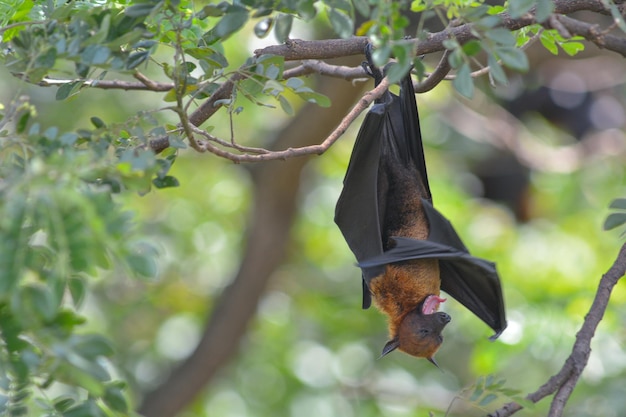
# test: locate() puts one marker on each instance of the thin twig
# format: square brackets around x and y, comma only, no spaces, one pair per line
[565,380]
[107,84]
[18,24]
[361,105]
[152,85]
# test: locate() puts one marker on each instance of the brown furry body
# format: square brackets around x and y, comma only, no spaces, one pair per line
[404,286]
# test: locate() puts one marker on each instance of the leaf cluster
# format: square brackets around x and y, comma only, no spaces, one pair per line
[60,225]
[102,37]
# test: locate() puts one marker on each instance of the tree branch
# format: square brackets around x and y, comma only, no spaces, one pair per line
[438,75]
[312,52]
[565,380]
[265,155]
[332,48]
[297,49]
[143,85]
[593,33]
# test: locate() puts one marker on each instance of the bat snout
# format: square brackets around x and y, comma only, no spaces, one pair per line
[443,318]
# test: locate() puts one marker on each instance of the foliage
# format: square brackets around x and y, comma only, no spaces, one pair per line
[121,38]
[60,227]
[617,219]
[64,224]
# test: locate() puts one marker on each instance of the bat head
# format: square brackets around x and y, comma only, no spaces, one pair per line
[419,333]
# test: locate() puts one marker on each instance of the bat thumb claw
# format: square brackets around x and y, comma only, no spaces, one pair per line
[434,362]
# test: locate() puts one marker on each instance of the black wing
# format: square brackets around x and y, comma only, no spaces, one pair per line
[391,130]
[472,281]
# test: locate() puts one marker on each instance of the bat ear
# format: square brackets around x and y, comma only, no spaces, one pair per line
[390,346]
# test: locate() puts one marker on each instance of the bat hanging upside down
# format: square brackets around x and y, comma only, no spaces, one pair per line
[406,249]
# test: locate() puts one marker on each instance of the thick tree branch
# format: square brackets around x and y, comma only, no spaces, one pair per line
[312,52]
[299,49]
[332,48]
[593,33]
[565,380]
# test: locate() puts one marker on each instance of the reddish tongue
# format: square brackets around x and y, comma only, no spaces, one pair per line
[431,304]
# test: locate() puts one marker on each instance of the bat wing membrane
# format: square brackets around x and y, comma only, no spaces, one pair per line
[391,130]
[471,281]
[358,213]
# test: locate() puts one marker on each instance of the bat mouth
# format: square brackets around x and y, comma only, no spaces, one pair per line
[431,304]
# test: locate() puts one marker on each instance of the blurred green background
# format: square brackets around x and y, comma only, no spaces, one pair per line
[311,350]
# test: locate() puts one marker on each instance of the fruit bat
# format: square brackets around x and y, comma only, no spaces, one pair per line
[406,249]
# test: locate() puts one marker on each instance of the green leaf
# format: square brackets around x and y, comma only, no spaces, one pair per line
[231,22]
[211,55]
[63,403]
[97,122]
[77,287]
[489,398]
[282,27]
[142,260]
[114,399]
[463,82]
[614,220]
[273,72]
[165,182]
[616,14]
[380,56]
[294,83]
[472,47]
[139,10]
[544,10]
[478,391]
[496,71]
[342,24]
[548,42]
[87,409]
[313,97]
[95,55]
[572,48]
[419,68]
[404,60]
[339,4]
[397,71]
[285,105]
[418,6]
[517,8]
[451,44]
[91,346]
[456,58]
[47,59]
[13,243]
[38,299]
[306,9]
[362,7]
[210,10]
[501,36]
[513,58]
[618,203]
[66,90]
[137,58]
